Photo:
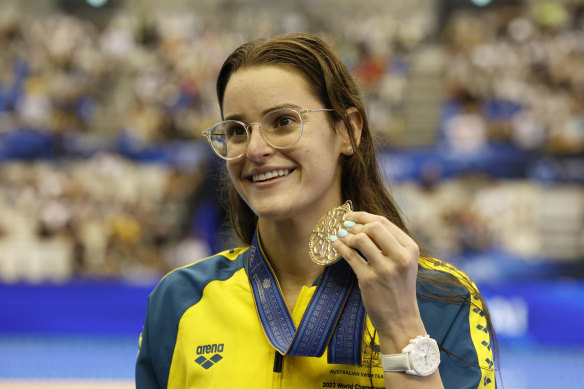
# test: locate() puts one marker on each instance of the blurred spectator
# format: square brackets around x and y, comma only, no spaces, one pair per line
[466,132]
[368,69]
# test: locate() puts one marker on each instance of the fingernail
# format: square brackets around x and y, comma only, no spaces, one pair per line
[348,223]
[342,233]
[333,238]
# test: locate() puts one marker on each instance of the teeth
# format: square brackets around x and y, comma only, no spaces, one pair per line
[268,175]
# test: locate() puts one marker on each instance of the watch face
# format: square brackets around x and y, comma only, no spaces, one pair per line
[425,357]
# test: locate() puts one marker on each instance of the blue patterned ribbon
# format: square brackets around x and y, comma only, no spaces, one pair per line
[334,316]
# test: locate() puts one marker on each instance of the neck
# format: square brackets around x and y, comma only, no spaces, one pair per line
[285,244]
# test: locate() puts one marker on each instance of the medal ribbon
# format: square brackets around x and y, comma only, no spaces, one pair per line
[335,312]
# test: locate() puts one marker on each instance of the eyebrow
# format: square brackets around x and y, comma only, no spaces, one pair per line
[241,117]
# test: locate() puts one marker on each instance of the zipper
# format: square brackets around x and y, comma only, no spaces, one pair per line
[277,377]
[278,359]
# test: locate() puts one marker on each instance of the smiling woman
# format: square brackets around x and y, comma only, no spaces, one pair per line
[311,156]
[297,145]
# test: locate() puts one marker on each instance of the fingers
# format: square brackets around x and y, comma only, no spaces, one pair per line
[373,240]
[365,218]
[380,242]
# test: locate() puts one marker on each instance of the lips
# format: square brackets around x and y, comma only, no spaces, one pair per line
[260,177]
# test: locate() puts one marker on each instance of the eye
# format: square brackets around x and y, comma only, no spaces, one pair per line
[235,130]
[284,121]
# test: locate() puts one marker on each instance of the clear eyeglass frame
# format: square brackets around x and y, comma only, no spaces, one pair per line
[208,133]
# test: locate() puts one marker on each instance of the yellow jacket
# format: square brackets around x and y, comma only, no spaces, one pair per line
[202,331]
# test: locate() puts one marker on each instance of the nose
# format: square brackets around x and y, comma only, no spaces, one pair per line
[257,148]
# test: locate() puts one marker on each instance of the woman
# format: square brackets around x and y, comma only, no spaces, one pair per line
[296,142]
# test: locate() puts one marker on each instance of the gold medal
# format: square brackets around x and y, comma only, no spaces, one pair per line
[321,248]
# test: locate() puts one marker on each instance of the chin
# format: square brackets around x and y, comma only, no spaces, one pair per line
[268,213]
[271,211]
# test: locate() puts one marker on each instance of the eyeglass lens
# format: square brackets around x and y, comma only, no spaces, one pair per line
[280,128]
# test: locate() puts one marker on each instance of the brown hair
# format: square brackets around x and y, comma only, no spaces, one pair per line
[361,181]
[332,83]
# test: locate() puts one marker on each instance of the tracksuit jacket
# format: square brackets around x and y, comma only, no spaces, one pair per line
[202,330]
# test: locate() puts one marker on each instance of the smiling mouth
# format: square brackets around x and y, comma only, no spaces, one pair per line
[270,175]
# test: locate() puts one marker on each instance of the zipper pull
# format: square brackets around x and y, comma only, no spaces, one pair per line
[278,362]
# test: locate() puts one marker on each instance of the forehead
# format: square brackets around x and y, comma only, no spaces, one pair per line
[261,87]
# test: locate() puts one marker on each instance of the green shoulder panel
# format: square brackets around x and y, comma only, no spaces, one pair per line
[453,315]
[176,292]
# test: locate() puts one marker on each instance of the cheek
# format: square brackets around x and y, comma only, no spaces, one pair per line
[324,151]
[234,171]
[320,164]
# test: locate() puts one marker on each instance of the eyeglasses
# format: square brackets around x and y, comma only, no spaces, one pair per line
[280,128]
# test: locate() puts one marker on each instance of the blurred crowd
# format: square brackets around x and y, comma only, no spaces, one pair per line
[478,216]
[139,80]
[516,75]
[102,216]
[63,75]
[151,75]
[144,79]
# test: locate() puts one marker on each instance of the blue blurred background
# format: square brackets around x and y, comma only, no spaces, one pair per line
[106,183]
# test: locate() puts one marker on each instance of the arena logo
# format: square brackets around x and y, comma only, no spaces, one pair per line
[215,349]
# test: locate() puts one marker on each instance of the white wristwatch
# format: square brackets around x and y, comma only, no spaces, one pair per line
[420,357]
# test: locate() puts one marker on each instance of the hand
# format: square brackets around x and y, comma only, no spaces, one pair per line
[386,270]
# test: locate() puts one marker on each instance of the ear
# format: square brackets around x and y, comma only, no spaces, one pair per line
[356,121]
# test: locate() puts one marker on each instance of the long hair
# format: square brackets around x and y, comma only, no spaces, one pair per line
[332,83]
[361,180]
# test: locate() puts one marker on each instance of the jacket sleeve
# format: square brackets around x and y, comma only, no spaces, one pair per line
[455,317]
[166,304]
[467,350]
[145,372]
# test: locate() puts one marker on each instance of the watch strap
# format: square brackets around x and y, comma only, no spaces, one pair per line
[395,362]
